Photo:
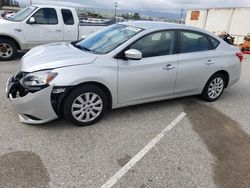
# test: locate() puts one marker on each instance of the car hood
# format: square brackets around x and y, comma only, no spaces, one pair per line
[6,23]
[55,55]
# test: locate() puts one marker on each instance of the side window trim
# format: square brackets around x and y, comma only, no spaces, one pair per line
[120,55]
[46,23]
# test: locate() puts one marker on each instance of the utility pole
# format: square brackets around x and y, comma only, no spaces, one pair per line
[116,5]
[30,2]
[180,21]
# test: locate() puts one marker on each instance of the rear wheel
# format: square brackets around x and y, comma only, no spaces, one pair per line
[85,105]
[8,50]
[214,88]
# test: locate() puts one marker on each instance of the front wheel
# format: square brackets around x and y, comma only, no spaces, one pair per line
[85,105]
[8,50]
[214,88]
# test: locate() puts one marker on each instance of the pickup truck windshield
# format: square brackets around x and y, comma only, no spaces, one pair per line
[108,39]
[21,15]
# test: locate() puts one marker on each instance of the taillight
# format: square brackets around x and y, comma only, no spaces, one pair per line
[240,55]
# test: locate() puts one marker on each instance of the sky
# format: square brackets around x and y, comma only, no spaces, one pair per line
[159,5]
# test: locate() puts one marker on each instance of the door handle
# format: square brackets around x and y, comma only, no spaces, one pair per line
[209,62]
[168,67]
[58,30]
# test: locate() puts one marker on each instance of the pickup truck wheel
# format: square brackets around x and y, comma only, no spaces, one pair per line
[85,105]
[8,50]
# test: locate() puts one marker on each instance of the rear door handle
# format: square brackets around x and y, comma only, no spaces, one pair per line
[209,62]
[168,67]
[58,30]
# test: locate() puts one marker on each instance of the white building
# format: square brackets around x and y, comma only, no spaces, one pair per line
[234,21]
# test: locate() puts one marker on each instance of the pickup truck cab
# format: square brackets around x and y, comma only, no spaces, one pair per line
[38,25]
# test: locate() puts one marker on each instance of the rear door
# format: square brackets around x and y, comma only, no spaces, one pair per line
[70,26]
[197,61]
[153,76]
[46,29]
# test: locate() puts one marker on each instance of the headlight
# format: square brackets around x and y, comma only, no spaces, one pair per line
[38,78]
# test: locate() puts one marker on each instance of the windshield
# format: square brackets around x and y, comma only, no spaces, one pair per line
[108,39]
[21,15]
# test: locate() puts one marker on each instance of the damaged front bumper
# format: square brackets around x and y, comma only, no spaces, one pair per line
[32,107]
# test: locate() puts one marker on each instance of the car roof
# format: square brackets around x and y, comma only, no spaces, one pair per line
[162,25]
[51,6]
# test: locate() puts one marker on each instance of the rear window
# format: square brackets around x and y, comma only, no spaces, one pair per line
[67,17]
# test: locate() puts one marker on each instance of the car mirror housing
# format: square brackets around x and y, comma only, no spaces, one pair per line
[133,54]
[32,20]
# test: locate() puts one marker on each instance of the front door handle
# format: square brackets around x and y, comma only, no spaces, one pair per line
[169,67]
[58,30]
[209,62]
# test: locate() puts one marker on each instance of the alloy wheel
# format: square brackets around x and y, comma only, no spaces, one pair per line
[215,88]
[87,107]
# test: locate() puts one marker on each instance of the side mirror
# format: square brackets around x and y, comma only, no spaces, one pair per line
[133,54]
[32,20]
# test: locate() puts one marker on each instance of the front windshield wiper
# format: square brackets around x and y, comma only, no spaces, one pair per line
[77,46]
[82,48]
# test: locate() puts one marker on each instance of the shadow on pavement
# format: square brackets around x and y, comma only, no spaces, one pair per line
[225,140]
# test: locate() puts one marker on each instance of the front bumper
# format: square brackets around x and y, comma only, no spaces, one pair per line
[33,108]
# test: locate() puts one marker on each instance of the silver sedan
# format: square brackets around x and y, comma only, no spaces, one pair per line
[122,65]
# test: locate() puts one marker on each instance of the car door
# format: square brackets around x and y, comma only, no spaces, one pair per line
[154,75]
[196,62]
[46,29]
[70,26]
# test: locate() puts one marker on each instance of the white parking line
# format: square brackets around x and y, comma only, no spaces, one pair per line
[143,152]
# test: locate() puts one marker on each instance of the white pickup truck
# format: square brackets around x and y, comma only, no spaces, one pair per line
[37,25]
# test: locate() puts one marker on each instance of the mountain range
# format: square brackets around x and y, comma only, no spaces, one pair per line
[171,14]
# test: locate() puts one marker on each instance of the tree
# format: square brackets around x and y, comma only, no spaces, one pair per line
[150,19]
[136,16]
[9,3]
[126,16]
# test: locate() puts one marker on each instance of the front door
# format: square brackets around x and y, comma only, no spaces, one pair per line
[46,29]
[154,75]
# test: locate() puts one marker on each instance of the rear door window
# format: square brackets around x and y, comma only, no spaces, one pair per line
[193,42]
[67,17]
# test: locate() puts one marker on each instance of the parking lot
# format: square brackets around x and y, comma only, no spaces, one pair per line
[210,147]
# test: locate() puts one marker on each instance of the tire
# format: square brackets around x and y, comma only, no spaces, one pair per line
[79,109]
[211,93]
[8,50]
